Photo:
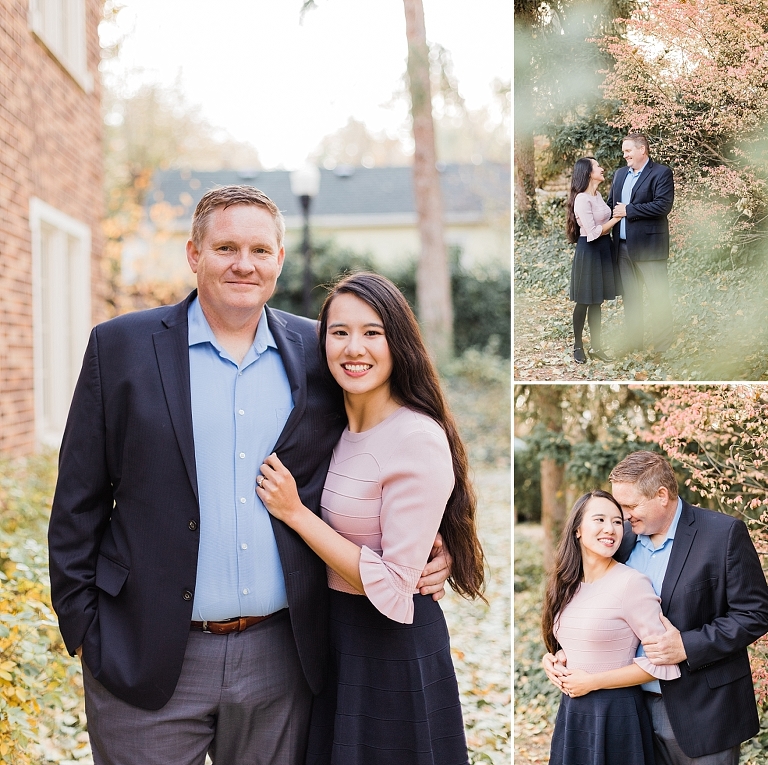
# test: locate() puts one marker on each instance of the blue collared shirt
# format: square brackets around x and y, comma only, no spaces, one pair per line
[626,195]
[238,412]
[653,561]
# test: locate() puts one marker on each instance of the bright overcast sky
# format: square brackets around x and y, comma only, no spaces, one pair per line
[282,86]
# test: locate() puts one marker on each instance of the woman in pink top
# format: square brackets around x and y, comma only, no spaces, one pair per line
[594,276]
[598,611]
[398,475]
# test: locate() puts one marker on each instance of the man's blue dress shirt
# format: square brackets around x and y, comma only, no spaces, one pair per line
[626,195]
[653,561]
[238,412]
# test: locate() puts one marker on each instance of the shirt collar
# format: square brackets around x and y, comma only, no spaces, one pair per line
[635,173]
[645,540]
[200,330]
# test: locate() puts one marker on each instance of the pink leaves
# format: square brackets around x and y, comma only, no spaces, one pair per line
[694,73]
[718,433]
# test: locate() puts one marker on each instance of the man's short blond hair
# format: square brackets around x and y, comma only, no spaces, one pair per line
[639,139]
[648,472]
[226,196]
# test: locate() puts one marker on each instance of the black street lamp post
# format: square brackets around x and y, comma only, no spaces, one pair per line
[305,183]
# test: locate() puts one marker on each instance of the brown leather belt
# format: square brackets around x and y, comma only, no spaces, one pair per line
[230,625]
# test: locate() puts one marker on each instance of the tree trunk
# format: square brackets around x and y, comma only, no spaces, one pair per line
[433,281]
[525,176]
[525,121]
[547,400]
[552,507]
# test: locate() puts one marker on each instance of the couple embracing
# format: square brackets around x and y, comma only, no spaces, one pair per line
[620,246]
[647,617]
[246,504]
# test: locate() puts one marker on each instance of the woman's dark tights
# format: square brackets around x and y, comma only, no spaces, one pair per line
[591,313]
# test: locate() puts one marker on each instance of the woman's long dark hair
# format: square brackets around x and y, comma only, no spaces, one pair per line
[414,383]
[568,570]
[580,178]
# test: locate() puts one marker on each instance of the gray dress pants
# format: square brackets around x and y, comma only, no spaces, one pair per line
[667,751]
[241,697]
[652,273]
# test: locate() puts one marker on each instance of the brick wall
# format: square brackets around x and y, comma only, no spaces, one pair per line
[50,148]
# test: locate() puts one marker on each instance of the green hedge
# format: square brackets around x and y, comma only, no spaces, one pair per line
[481,296]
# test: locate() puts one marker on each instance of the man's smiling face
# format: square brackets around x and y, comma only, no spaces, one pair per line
[648,515]
[634,155]
[237,262]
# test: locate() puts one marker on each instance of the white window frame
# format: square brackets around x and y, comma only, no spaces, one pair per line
[78,254]
[60,27]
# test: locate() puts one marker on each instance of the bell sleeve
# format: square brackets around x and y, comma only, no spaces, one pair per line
[417,480]
[642,607]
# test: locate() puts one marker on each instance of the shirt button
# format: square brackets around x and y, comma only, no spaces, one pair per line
[242,455]
[241,411]
[242,500]
[246,591]
[193,525]
[243,546]
[187,595]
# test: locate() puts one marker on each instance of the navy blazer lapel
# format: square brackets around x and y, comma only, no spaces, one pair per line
[684,535]
[617,184]
[172,352]
[627,544]
[642,180]
[291,348]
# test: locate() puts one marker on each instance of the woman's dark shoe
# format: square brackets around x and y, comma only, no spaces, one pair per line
[578,356]
[599,353]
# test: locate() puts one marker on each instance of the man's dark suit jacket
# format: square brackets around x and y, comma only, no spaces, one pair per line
[715,593]
[125,522]
[647,211]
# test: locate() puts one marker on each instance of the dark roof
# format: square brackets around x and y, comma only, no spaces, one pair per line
[346,191]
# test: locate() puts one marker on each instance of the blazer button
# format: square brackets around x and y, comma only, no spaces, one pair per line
[193,525]
[187,595]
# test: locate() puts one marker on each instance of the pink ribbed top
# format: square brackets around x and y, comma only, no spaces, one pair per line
[591,212]
[602,626]
[386,491]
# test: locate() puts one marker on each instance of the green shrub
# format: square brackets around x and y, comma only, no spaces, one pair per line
[477,385]
[543,257]
[40,685]
[481,296]
[536,699]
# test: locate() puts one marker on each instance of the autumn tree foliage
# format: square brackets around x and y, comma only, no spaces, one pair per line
[718,436]
[693,75]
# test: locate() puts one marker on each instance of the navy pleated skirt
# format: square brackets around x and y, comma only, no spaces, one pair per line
[594,276]
[392,697]
[607,727]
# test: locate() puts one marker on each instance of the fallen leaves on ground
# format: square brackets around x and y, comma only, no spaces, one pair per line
[480,634]
[720,313]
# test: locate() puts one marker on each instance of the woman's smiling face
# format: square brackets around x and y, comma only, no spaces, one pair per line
[601,528]
[356,347]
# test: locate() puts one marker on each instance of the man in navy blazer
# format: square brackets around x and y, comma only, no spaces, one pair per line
[133,518]
[714,601]
[641,195]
